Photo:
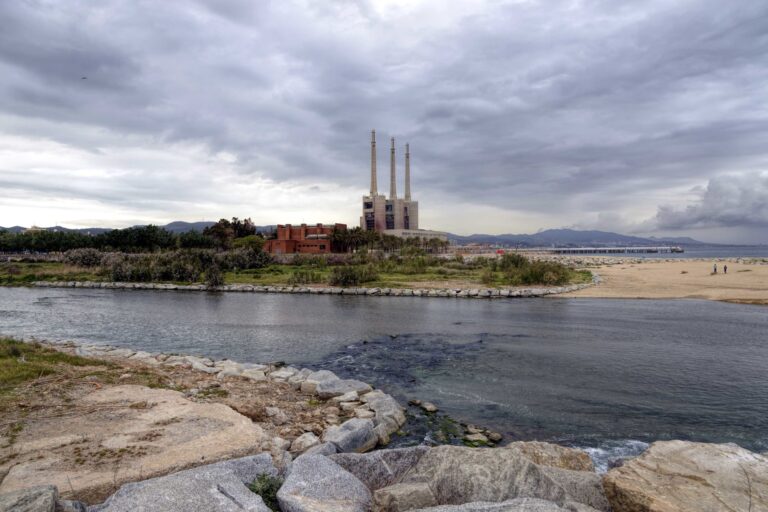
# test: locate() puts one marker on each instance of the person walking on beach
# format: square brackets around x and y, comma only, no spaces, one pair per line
[715,272]
[725,269]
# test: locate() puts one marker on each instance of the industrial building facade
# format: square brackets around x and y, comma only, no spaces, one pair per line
[381,213]
[393,216]
[303,239]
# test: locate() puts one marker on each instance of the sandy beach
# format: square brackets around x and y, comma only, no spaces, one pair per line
[683,279]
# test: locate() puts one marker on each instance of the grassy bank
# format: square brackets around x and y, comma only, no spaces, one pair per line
[392,271]
[24,273]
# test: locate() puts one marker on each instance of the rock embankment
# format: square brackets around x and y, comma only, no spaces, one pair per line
[104,433]
[462,293]
[377,414]
[672,476]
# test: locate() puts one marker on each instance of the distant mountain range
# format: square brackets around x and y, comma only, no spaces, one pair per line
[548,238]
[570,238]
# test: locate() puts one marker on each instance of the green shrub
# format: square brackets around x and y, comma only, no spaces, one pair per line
[267,486]
[352,275]
[539,272]
[512,260]
[83,257]
[488,277]
[213,276]
[304,277]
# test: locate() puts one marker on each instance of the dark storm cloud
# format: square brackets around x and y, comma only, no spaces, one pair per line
[564,107]
[728,201]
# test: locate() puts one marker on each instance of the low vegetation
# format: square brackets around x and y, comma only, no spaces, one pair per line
[266,486]
[231,252]
[21,362]
[408,268]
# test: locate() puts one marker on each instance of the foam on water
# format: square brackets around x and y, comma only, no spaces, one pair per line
[610,454]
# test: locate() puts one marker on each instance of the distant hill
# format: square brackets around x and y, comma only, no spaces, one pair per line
[568,238]
[87,231]
[680,240]
[178,226]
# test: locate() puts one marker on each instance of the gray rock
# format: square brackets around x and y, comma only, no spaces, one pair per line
[381,468]
[322,449]
[215,487]
[229,372]
[331,388]
[313,379]
[304,442]
[581,486]
[515,505]
[351,396]
[33,499]
[429,407]
[455,475]
[317,484]
[299,377]
[254,374]
[388,411]
[70,506]
[355,435]
[283,374]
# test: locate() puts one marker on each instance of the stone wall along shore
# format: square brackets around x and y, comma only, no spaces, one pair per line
[468,293]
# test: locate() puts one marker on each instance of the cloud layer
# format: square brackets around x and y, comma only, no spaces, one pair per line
[521,115]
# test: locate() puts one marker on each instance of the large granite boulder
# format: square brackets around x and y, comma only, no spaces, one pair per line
[41,498]
[452,475]
[680,476]
[380,468]
[581,486]
[548,454]
[212,488]
[143,433]
[309,385]
[330,388]
[388,412]
[355,435]
[514,505]
[317,484]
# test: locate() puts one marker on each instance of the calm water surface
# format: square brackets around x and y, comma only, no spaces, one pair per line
[588,372]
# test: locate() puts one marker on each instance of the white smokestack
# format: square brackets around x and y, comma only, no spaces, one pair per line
[392,174]
[407,172]
[373,163]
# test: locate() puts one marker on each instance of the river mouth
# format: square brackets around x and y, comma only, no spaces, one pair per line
[607,375]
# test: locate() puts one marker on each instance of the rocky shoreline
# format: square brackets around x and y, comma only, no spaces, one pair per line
[469,293]
[341,469]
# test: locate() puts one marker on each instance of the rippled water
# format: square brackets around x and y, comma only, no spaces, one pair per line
[606,374]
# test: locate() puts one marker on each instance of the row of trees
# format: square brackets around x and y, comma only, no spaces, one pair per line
[355,239]
[225,234]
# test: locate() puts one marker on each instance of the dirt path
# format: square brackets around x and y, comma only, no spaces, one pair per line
[744,283]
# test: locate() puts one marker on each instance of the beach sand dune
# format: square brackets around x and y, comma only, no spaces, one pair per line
[683,279]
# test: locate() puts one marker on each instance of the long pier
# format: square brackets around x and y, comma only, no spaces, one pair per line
[614,250]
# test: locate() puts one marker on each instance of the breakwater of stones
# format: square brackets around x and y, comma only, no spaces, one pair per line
[471,293]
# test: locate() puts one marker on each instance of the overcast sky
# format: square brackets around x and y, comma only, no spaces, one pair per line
[644,117]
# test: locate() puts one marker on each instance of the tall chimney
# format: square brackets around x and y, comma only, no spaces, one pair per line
[374,190]
[407,172]
[392,177]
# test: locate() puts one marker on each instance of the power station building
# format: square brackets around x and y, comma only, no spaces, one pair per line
[393,215]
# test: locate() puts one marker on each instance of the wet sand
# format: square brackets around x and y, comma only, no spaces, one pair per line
[683,279]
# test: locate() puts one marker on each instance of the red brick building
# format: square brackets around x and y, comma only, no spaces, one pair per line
[302,239]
